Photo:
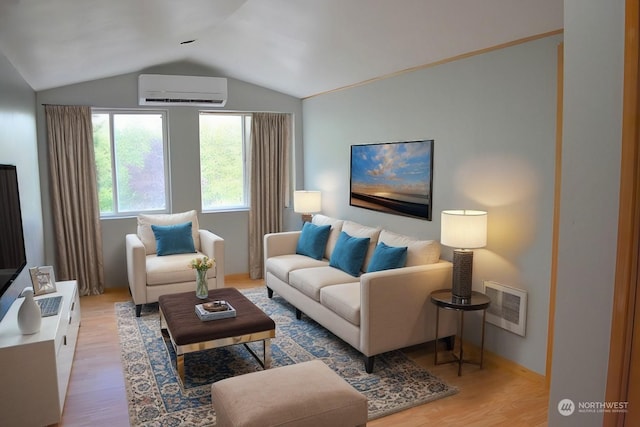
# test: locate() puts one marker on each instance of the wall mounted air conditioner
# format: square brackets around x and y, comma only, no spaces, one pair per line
[163,90]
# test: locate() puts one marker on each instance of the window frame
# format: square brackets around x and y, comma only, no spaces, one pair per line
[246,161]
[114,174]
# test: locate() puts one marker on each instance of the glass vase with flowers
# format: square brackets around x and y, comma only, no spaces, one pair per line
[201,266]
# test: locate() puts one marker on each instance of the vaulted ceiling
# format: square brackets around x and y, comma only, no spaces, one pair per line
[298,47]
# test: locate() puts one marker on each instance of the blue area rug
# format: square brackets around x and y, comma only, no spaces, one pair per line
[156,397]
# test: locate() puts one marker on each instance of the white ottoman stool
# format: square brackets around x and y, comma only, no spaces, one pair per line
[307,394]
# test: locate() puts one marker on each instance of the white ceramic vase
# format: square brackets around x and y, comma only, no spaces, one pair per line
[29,315]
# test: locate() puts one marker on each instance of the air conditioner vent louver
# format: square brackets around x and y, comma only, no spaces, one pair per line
[508,308]
[185,101]
[163,90]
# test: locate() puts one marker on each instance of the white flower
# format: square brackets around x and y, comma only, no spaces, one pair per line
[202,264]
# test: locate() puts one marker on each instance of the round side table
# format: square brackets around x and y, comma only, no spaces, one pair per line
[443,298]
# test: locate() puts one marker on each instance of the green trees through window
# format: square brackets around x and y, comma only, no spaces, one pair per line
[223,173]
[130,161]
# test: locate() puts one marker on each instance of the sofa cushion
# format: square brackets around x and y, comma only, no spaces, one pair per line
[313,240]
[309,281]
[387,257]
[344,300]
[336,228]
[419,252]
[162,270]
[280,266]
[173,239]
[145,233]
[357,230]
[349,253]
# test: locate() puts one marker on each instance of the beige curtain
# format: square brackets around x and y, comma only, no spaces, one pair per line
[74,197]
[270,142]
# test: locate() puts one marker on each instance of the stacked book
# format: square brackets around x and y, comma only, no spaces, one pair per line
[215,310]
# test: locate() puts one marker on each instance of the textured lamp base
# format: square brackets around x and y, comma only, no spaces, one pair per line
[306,218]
[462,274]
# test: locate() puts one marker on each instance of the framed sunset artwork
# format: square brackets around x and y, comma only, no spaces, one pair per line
[393,177]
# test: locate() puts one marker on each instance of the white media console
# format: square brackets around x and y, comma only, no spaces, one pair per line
[35,369]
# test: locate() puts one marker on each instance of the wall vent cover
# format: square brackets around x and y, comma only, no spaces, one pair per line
[508,308]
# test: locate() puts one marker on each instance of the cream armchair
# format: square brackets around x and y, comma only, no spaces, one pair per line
[151,275]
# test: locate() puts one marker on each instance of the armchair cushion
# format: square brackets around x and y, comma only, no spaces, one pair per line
[172,269]
[173,239]
[146,235]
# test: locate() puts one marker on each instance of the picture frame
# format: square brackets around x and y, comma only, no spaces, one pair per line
[43,280]
[393,177]
[508,308]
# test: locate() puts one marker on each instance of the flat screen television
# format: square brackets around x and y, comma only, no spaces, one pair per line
[393,177]
[13,257]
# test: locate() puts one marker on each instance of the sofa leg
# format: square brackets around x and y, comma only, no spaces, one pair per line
[138,309]
[368,364]
[269,292]
[298,314]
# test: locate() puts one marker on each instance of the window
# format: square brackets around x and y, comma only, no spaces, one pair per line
[224,140]
[130,151]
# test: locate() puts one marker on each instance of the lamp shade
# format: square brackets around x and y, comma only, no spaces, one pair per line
[307,202]
[464,229]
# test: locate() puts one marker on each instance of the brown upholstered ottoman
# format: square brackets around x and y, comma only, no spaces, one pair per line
[188,333]
[307,394]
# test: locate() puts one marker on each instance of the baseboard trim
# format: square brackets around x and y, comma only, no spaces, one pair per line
[500,362]
[237,276]
[242,280]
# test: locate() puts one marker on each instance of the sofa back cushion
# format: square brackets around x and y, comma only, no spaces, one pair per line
[336,228]
[358,230]
[419,252]
[145,233]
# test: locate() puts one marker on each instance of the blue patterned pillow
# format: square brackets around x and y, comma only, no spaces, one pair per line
[349,253]
[313,240]
[387,257]
[173,239]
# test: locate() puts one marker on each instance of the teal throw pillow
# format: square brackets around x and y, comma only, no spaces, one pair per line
[173,239]
[387,257]
[313,240]
[349,253]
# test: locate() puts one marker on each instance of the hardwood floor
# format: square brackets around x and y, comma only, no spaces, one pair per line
[501,394]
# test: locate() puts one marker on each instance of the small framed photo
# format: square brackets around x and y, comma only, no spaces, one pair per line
[43,280]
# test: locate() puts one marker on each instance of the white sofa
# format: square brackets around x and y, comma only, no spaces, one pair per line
[375,312]
[151,275]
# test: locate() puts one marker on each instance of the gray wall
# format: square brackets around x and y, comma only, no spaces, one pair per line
[493,119]
[594,43]
[18,147]
[121,92]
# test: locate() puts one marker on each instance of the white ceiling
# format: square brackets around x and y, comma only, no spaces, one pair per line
[299,47]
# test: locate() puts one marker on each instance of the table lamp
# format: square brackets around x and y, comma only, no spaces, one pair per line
[307,203]
[463,230]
